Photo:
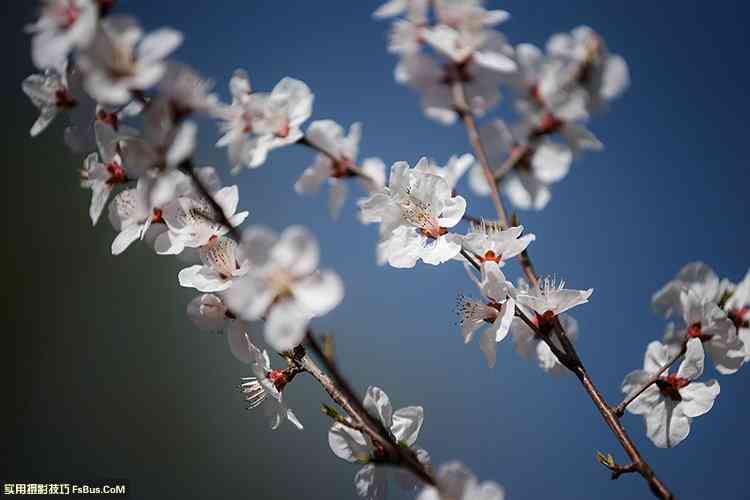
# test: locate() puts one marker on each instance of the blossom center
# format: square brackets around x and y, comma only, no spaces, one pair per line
[157,216]
[490,256]
[63,99]
[284,130]
[110,119]
[535,95]
[670,386]
[278,378]
[219,255]
[694,331]
[738,317]
[548,125]
[544,321]
[66,15]
[280,281]
[122,63]
[342,168]
[116,173]
[419,214]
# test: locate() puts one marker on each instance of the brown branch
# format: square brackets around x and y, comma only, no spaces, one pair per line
[351,168]
[510,163]
[341,392]
[336,386]
[568,356]
[461,106]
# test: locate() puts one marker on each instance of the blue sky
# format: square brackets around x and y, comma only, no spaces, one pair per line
[669,188]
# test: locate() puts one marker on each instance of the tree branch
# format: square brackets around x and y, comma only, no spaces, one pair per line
[568,356]
[462,108]
[341,392]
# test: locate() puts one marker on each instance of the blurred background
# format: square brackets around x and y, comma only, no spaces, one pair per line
[107,378]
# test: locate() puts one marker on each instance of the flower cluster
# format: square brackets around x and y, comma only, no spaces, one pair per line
[131,116]
[555,90]
[709,316]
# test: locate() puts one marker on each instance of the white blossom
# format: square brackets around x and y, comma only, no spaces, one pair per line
[703,319]
[166,145]
[257,122]
[63,25]
[50,95]
[582,53]
[209,313]
[192,221]
[337,163]
[737,307]
[539,165]
[265,388]
[453,170]
[415,211]
[487,241]
[121,59]
[187,91]
[549,299]
[353,446]
[487,49]
[456,482]
[137,211]
[405,37]
[103,171]
[469,15]
[496,309]
[695,276]
[80,135]
[530,346]
[222,263]
[414,10]
[283,284]
[435,82]
[669,405]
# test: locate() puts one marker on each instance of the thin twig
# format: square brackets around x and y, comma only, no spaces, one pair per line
[510,163]
[352,169]
[461,106]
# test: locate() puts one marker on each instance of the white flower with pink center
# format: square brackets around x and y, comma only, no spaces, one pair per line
[703,319]
[488,242]
[121,59]
[103,171]
[549,298]
[737,307]
[670,405]
[223,262]
[415,212]
[64,25]
[137,213]
[353,446]
[496,309]
[337,164]
[531,346]
[50,94]
[257,122]
[283,284]
[192,221]
[695,276]
[265,388]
